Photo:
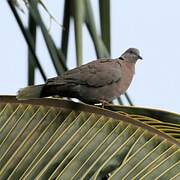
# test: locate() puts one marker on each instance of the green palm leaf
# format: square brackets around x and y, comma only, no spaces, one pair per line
[48,138]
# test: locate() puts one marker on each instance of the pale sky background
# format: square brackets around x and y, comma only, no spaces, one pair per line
[151,26]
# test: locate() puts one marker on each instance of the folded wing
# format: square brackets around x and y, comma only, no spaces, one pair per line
[94,74]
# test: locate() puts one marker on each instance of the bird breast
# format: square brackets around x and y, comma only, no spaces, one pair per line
[128,70]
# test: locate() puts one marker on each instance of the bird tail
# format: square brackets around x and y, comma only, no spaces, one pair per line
[30,92]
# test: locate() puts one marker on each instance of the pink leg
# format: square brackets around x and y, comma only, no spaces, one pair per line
[104,103]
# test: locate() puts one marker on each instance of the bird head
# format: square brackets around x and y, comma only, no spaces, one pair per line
[131,55]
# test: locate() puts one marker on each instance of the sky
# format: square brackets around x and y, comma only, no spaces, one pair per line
[151,26]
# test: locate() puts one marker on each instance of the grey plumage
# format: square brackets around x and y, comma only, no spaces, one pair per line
[101,80]
[30,92]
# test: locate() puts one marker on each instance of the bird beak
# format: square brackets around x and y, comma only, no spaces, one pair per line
[139,57]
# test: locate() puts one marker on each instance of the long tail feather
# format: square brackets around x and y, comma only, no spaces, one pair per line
[30,92]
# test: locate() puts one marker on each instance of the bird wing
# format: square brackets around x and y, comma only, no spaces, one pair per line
[97,73]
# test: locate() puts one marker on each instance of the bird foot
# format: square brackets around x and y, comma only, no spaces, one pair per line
[104,103]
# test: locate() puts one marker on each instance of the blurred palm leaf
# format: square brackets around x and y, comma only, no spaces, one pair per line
[31,65]
[48,138]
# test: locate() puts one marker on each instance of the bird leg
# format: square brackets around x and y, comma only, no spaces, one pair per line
[103,102]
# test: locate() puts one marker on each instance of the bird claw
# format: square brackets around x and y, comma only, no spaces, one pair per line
[104,103]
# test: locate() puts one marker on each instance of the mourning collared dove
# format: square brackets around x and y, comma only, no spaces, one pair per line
[101,80]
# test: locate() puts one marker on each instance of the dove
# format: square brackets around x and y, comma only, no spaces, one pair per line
[100,81]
